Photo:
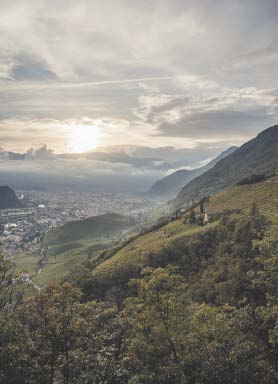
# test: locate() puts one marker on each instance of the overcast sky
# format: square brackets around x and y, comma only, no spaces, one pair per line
[181,73]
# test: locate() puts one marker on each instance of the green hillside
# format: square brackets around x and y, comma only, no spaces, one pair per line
[59,266]
[264,195]
[95,228]
[136,255]
[25,263]
[70,245]
[182,303]
[257,156]
[133,257]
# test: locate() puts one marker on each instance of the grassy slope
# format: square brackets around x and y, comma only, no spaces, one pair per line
[83,231]
[134,255]
[265,195]
[25,263]
[59,266]
[70,245]
[60,263]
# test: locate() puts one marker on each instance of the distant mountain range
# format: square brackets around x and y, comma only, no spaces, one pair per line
[11,156]
[169,186]
[8,198]
[161,158]
[257,156]
[117,169]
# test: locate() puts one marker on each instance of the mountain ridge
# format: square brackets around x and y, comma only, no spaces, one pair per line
[8,198]
[170,185]
[258,155]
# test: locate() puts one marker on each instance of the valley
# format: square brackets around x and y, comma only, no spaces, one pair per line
[153,289]
[33,239]
[138,192]
[136,255]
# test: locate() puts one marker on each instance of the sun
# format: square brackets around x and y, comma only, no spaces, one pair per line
[83,138]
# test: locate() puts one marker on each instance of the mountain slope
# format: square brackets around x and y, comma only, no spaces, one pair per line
[8,198]
[142,251]
[263,194]
[92,229]
[258,155]
[170,185]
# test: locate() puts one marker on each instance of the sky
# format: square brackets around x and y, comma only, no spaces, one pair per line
[196,74]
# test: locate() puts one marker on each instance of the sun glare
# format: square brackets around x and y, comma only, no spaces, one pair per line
[83,138]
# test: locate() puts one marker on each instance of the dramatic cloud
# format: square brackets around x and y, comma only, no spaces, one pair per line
[178,73]
[229,113]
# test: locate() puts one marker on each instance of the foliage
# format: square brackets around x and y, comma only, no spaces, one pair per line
[255,178]
[181,304]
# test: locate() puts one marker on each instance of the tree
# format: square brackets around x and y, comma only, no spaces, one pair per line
[173,340]
[192,217]
[50,325]
[10,298]
[61,340]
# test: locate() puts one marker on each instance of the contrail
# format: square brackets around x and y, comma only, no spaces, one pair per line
[97,83]
[124,81]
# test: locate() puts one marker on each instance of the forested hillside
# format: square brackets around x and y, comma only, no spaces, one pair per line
[183,303]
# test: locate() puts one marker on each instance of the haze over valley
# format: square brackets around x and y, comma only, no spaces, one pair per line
[138,192]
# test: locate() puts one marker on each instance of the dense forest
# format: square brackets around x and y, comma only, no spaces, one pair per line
[204,310]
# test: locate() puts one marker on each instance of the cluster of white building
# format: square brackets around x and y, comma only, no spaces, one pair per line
[22,230]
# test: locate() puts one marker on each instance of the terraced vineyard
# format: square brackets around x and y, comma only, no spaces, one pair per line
[134,255]
[264,195]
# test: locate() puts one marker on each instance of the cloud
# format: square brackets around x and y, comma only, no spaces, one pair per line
[29,68]
[168,73]
[79,174]
[110,172]
[258,54]
[212,114]
[42,153]
[216,124]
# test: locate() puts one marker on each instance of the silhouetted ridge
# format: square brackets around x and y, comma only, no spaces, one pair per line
[8,198]
[257,156]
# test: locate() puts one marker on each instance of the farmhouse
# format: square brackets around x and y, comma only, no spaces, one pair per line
[209,214]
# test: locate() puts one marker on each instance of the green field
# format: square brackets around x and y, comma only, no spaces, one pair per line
[61,259]
[70,245]
[59,266]
[25,263]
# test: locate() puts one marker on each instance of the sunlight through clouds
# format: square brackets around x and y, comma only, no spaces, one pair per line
[83,138]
